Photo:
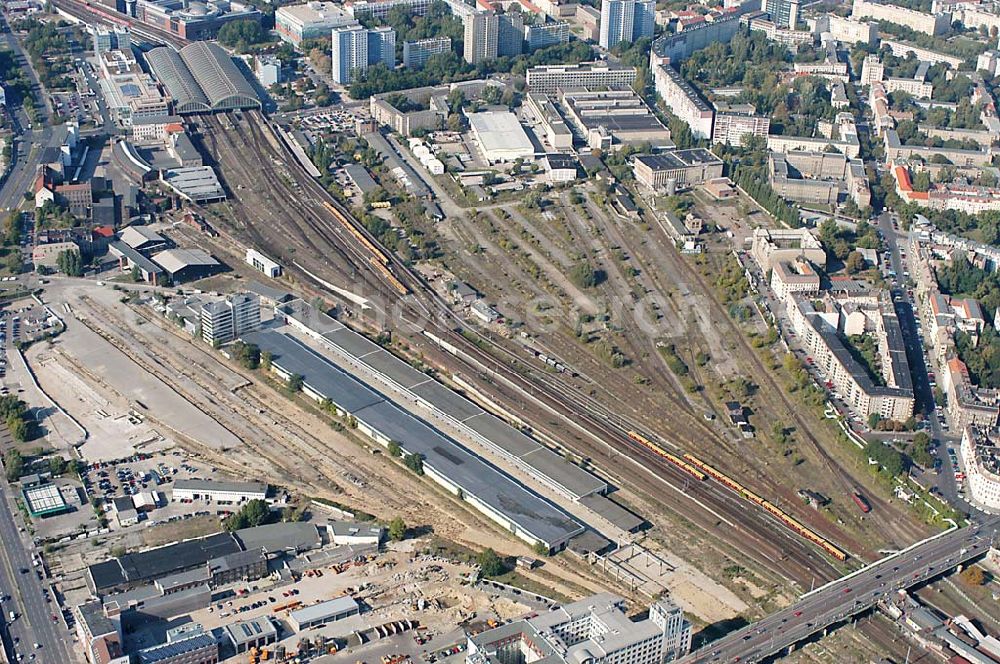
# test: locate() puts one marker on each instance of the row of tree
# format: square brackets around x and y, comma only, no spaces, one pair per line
[754,182]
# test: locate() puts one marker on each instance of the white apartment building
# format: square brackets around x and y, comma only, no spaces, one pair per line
[846,30]
[770,247]
[793,277]
[733,123]
[931,24]
[981,458]
[229,319]
[594,630]
[872,70]
[220,492]
[683,100]
[818,332]
[548,79]
[912,86]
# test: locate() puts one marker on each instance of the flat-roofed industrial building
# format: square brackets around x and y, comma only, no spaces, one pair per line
[677,168]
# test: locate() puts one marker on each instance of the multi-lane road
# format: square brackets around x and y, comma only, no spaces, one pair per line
[837,602]
[37,615]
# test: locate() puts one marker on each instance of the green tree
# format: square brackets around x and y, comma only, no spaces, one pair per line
[248,355]
[395,450]
[295,383]
[397,529]
[57,465]
[70,262]
[13,464]
[490,564]
[254,513]
[18,428]
[240,35]
[265,360]
[414,462]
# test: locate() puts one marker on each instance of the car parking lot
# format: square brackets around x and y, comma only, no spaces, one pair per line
[25,321]
[144,473]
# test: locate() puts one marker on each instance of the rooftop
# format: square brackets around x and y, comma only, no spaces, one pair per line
[175,260]
[500,131]
[138,236]
[162,561]
[665,161]
[214,485]
[250,630]
[198,183]
[324,610]
[168,651]
[285,536]
[525,510]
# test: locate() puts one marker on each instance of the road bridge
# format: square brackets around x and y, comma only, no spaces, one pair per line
[838,602]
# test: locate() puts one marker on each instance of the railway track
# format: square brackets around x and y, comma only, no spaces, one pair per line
[94,12]
[753,533]
[765,378]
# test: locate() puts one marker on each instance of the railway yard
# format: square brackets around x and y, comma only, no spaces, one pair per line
[590,409]
[589,370]
[305,363]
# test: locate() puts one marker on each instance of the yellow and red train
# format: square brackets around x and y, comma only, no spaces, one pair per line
[672,458]
[700,470]
[774,510]
[378,259]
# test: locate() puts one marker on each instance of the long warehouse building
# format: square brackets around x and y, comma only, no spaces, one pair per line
[504,500]
[531,456]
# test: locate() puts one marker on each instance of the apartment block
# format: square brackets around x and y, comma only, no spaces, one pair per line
[229,319]
[626,21]
[683,100]
[549,79]
[930,24]
[417,53]
[847,30]
[540,35]
[735,122]
[355,48]
[784,13]
[769,247]
[820,334]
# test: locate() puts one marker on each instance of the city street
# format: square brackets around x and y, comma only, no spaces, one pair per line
[907,313]
[34,622]
[23,166]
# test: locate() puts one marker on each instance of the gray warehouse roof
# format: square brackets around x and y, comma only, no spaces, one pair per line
[250,630]
[162,561]
[212,485]
[280,537]
[202,77]
[525,510]
[168,651]
[323,610]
